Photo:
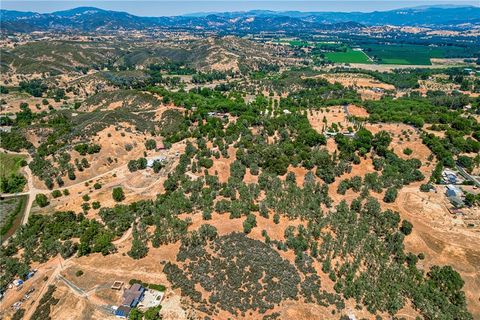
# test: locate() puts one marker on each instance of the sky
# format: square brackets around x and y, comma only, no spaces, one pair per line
[179,7]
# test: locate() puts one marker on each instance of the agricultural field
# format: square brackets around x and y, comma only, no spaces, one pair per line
[411,54]
[350,56]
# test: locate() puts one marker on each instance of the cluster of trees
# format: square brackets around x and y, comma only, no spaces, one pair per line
[44,307]
[418,111]
[149,314]
[12,183]
[85,148]
[34,87]
[14,140]
[45,236]
[172,67]
[243,275]
[139,164]
[319,93]
[201,77]
[139,247]
[354,183]
[472,199]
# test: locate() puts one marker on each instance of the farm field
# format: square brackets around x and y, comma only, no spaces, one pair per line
[410,54]
[350,56]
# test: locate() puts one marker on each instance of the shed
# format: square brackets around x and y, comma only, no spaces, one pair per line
[453,191]
[451,177]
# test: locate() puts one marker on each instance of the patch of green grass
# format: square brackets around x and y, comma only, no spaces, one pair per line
[350,56]
[9,164]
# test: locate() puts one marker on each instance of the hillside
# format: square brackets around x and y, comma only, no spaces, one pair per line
[229,170]
[93,19]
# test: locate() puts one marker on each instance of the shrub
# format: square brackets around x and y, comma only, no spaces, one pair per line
[56,193]
[207,214]
[85,206]
[157,166]
[150,144]
[118,194]
[407,151]
[425,187]
[276,218]
[97,186]
[406,227]
[205,162]
[249,223]
[41,200]
[96,205]
[79,273]
[390,195]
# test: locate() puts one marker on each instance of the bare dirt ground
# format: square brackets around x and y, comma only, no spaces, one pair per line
[357,81]
[14,99]
[442,239]
[324,118]
[357,111]
[368,87]
[142,184]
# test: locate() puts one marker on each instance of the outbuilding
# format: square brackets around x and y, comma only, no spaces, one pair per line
[122,312]
[453,191]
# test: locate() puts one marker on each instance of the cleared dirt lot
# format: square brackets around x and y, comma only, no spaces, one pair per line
[443,240]
[322,119]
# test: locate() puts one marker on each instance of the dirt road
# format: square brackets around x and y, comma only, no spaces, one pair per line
[33,191]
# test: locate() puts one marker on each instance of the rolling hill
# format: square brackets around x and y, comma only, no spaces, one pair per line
[94,19]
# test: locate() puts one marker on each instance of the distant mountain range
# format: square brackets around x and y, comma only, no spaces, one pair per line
[94,19]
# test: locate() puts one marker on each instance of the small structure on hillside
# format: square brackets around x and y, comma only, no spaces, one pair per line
[449,177]
[117,285]
[453,191]
[150,162]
